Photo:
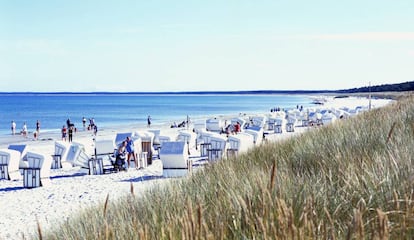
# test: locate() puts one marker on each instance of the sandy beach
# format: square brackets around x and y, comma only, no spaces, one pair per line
[72,189]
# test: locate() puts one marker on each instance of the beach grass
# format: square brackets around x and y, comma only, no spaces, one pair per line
[350,180]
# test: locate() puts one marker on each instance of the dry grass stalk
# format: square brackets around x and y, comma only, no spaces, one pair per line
[390,132]
[331,223]
[39,230]
[132,189]
[106,205]
[358,224]
[199,219]
[382,225]
[273,177]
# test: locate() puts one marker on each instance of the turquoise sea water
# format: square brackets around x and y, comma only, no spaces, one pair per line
[52,110]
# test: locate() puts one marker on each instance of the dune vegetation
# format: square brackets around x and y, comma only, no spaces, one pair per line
[350,180]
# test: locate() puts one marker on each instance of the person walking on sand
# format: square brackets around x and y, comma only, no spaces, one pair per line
[13,127]
[149,121]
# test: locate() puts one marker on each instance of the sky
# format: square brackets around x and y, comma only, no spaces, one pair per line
[214,45]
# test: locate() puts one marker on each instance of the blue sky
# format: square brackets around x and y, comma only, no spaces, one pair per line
[196,45]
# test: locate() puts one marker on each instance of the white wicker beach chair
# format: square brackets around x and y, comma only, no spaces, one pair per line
[9,164]
[174,157]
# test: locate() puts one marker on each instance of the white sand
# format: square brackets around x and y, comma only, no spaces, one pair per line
[72,190]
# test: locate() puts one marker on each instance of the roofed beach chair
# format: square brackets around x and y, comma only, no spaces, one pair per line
[215,125]
[217,148]
[239,143]
[104,155]
[23,150]
[278,128]
[147,149]
[291,124]
[174,157]
[9,164]
[61,152]
[37,171]
[188,137]
[203,139]
[199,125]
[256,132]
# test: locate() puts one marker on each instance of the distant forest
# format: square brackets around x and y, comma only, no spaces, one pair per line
[399,87]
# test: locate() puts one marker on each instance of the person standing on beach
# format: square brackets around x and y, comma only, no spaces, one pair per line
[131,152]
[70,133]
[13,127]
[63,131]
[95,129]
[149,121]
[84,123]
[37,128]
[24,130]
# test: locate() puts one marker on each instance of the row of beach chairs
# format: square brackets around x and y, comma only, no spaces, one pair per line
[174,154]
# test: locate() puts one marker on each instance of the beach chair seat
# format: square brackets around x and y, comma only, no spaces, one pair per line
[147,148]
[290,127]
[146,154]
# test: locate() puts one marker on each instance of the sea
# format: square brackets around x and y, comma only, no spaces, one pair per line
[120,109]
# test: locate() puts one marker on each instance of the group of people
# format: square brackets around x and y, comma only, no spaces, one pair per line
[91,126]
[124,154]
[24,132]
[67,130]
[180,125]
[232,129]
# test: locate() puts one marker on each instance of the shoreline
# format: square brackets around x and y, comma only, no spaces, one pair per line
[72,190]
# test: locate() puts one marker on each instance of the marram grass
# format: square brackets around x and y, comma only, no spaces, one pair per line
[350,180]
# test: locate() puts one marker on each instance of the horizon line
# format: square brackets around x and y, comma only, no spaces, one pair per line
[179,92]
